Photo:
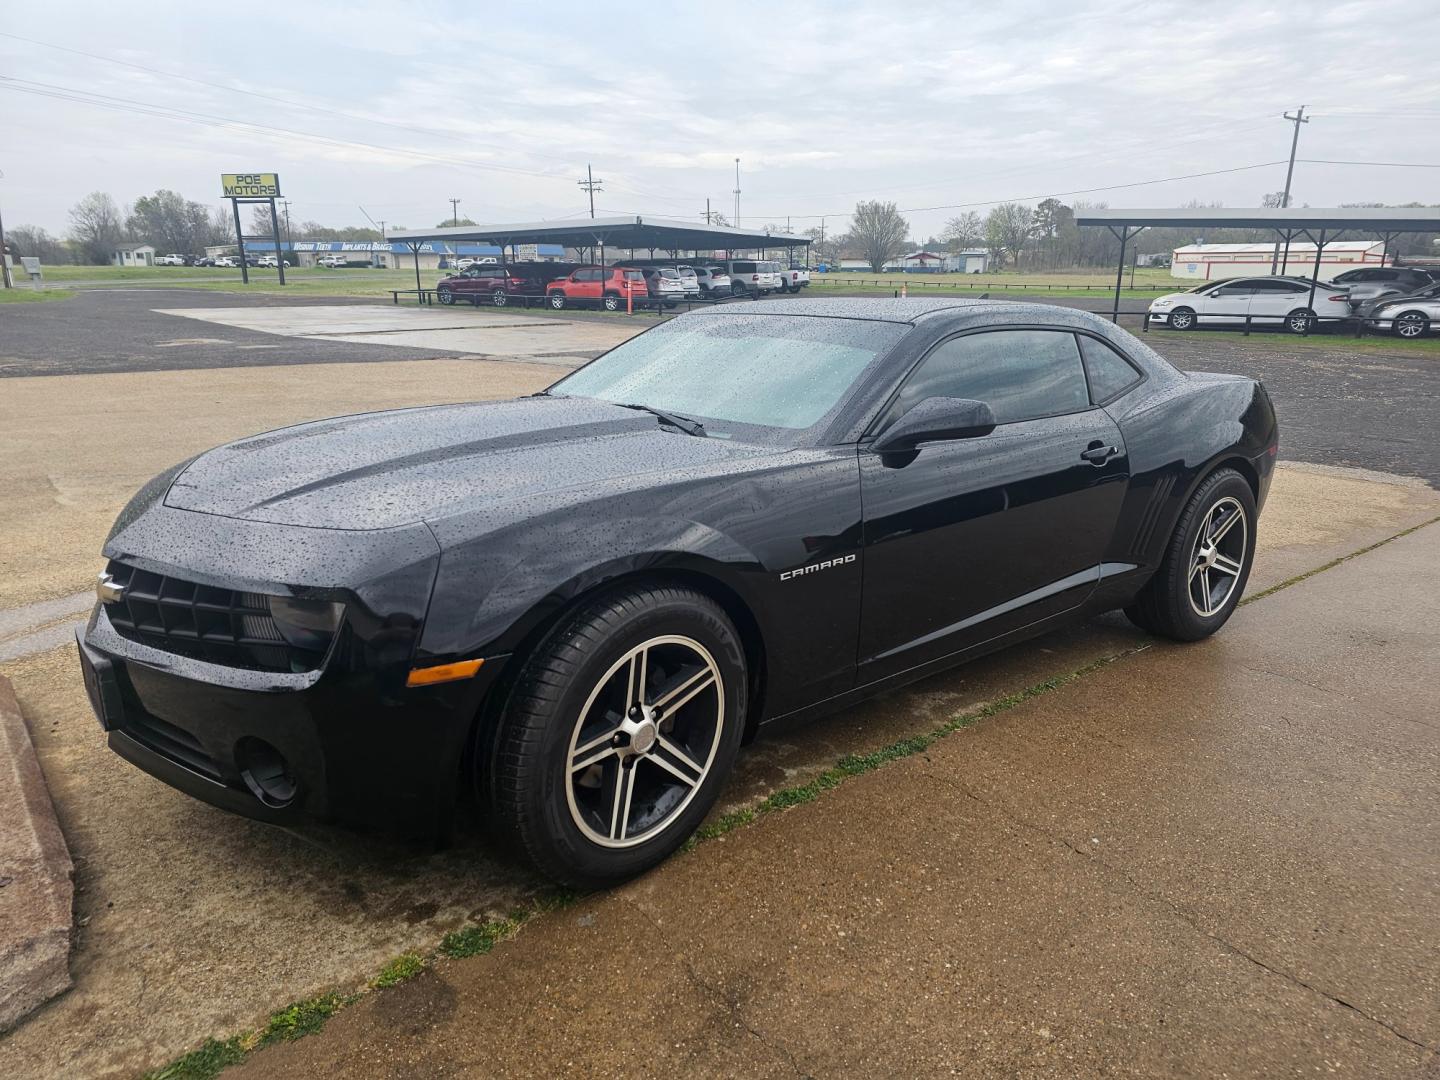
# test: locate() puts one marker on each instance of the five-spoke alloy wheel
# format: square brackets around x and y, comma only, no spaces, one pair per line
[617,734]
[1205,564]
[645,740]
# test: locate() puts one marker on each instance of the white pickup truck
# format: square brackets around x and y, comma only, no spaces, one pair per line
[169,260]
[793,278]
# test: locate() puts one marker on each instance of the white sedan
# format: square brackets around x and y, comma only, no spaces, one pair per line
[1261,300]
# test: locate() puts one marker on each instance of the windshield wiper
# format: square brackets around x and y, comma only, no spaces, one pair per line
[675,420]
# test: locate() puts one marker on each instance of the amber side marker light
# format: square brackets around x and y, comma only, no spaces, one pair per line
[429,676]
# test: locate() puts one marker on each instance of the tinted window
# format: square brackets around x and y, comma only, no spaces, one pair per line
[1109,372]
[1021,374]
[1277,286]
[743,267]
[755,377]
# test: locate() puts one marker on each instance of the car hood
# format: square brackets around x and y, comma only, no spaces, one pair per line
[386,469]
[1172,297]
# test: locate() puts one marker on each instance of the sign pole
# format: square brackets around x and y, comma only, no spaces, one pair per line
[279,255]
[240,239]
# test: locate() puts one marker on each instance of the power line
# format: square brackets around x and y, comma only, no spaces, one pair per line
[145,108]
[1377,164]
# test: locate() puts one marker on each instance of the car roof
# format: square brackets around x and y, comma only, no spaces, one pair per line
[913,309]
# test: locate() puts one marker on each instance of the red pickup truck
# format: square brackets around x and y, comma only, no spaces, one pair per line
[607,286]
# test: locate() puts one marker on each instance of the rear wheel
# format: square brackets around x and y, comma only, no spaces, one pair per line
[1300,321]
[739,291]
[499,298]
[612,301]
[557,300]
[1206,564]
[1182,319]
[445,295]
[1412,324]
[619,734]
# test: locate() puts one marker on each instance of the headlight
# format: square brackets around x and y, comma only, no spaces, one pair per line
[306,624]
[1161,303]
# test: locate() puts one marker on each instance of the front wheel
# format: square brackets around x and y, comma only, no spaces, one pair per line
[619,734]
[444,295]
[1206,564]
[1412,324]
[557,300]
[1182,319]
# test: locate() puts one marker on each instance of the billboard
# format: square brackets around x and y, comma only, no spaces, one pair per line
[254,185]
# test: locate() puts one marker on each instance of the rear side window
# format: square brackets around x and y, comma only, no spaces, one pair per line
[1021,374]
[1110,374]
[744,267]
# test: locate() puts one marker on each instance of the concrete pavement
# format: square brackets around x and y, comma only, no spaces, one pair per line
[1220,859]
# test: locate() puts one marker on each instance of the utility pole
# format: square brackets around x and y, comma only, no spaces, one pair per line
[1298,119]
[454,212]
[737,193]
[591,185]
[822,239]
[707,211]
[4,259]
[289,238]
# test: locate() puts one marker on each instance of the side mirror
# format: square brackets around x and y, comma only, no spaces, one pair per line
[935,419]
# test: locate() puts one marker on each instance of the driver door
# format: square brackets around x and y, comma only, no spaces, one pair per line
[1230,303]
[969,539]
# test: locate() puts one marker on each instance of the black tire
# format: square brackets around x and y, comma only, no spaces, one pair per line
[499,298]
[1182,319]
[740,292]
[1300,321]
[611,302]
[1167,605]
[444,295]
[1411,324]
[533,783]
[557,300]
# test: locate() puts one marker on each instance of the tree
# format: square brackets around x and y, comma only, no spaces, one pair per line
[171,223]
[1273,200]
[450,223]
[825,245]
[1053,223]
[878,229]
[260,220]
[717,218]
[34,241]
[964,232]
[96,226]
[1008,228]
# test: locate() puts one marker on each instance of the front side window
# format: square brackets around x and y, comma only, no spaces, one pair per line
[1020,374]
[757,378]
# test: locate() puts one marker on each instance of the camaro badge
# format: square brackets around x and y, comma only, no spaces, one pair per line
[108,591]
[813,567]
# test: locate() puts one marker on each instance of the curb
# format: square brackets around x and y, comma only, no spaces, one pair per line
[36,890]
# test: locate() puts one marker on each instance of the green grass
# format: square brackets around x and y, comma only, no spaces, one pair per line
[404,967]
[23,294]
[302,1018]
[204,1063]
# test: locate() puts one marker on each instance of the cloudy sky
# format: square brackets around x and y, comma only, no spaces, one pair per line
[939,107]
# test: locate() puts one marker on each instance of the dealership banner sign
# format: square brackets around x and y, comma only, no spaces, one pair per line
[262,185]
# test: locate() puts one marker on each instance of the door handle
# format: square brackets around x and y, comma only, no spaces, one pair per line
[1098,454]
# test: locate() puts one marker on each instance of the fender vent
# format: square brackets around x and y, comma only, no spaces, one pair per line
[1143,535]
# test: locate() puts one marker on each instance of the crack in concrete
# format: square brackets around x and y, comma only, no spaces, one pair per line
[1178,912]
[718,995]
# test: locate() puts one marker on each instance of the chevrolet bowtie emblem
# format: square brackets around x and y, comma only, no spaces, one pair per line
[108,591]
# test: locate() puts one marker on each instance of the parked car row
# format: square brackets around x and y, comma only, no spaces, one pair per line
[632,281]
[1400,299]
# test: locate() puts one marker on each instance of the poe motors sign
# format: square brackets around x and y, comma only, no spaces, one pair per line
[254,187]
[251,185]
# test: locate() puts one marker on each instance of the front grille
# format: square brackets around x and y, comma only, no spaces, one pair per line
[220,626]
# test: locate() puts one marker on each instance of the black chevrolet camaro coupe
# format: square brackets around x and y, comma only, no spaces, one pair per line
[578,605]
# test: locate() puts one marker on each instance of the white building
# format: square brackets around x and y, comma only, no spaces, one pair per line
[926,262]
[1211,261]
[132,255]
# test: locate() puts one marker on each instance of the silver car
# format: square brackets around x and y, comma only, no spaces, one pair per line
[1367,284]
[1408,316]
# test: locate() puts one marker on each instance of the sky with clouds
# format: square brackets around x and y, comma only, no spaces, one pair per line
[939,107]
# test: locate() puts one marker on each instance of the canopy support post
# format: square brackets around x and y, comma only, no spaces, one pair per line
[419,293]
[1123,236]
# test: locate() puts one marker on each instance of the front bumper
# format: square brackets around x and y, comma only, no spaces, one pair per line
[359,747]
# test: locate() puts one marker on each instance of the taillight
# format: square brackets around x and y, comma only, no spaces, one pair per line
[1342,296]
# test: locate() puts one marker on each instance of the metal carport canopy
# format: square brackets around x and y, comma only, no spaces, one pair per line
[1286,224]
[1379,219]
[623,232]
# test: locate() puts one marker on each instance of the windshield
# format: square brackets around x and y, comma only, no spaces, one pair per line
[758,378]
